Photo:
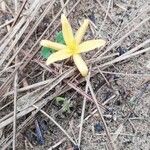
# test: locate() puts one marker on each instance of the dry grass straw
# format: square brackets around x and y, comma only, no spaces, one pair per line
[34,101]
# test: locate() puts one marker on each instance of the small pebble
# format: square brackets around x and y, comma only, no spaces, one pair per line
[114,118]
[127,142]
[98,127]
[118,103]
[110,110]
[92,18]
[76,147]
[121,50]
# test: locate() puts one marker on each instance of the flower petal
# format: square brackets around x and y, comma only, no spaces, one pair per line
[81,65]
[90,45]
[81,31]
[57,56]
[67,30]
[53,45]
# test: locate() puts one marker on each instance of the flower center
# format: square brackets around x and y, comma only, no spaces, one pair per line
[73,47]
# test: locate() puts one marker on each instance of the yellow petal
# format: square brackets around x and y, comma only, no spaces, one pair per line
[81,65]
[57,56]
[53,45]
[90,45]
[67,30]
[81,31]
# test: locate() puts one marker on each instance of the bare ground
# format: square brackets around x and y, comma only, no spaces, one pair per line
[120,83]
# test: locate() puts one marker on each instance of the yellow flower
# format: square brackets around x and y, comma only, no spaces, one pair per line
[73,45]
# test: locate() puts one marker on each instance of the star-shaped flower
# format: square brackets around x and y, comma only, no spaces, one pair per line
[73,46]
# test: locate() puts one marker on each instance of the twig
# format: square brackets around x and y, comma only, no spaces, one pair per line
[21,29]
[104,9]
[136,48]
[112,147]
[94,111]
[144,8]
[3,6]
[123,37]
[57,144]
[15,111]
[107,12]
[19,13]
[63,89]
[83,93]
[124,57]
[6,23]
[4,106]
[114,134]
[127,74]
[8,7]
[83,110]
[36,85]
[44,113]
[23,22]
[104,77]
[8,140]
[93,59]
[62,5]
[16,6]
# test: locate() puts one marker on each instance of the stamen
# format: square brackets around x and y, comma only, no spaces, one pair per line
[73,47]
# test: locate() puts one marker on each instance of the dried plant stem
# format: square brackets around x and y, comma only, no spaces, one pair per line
[107,12]
[110,143]
[7,120]
[57,144]
[125,57]
[36,85]
[144,9]
[15,111]
[21,127]
[85,95]
[8,37]
[95,111]
[83,110]
[31,32]
[123,37]
[22,22]
[62,5]
[58,125]
[136,48]
[127,74]
[6,23]
[19,13]
[16,6]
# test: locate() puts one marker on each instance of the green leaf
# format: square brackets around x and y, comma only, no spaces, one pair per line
[46,52]
[64,103]
[60,100]
[59,38]
[66,106]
